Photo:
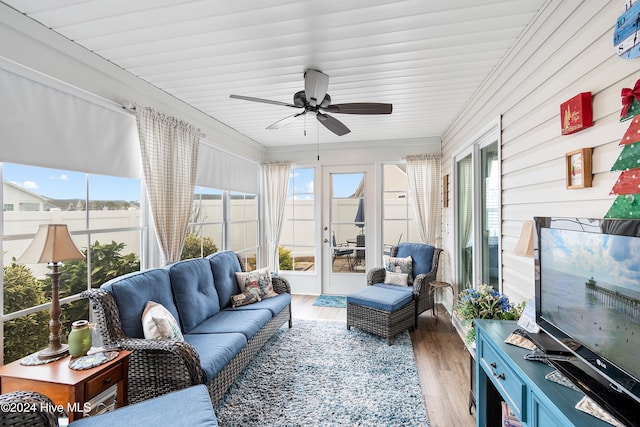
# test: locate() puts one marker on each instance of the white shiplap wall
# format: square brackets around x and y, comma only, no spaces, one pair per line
[568,49]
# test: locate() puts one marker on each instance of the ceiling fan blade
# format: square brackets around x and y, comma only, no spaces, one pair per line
[285,121]
[316,84]
[333,124]
[264,101]
[360,108]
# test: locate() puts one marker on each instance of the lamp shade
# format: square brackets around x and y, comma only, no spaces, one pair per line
[52,243]
[524,247]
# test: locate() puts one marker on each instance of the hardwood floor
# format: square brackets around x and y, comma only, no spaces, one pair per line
[442,361]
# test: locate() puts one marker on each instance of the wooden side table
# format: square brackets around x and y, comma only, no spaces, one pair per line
[66,387]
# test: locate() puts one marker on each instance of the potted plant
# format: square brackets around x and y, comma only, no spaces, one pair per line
[484,302]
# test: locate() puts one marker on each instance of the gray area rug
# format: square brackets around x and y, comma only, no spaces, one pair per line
[320,374]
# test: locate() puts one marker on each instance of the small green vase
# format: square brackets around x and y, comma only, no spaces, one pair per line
[79,338]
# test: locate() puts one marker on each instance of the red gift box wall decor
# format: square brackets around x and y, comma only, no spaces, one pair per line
[576,113]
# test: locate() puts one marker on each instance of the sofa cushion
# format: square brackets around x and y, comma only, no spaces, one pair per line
[158,323]
[216,350]
[380,298]
[247,322]
[196,296]
[224,266]
[422,255]
[195,410]
[133,291]
[275,305]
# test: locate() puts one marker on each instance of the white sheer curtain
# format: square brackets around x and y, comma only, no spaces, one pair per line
[423,175]
[169,149]
[276,181]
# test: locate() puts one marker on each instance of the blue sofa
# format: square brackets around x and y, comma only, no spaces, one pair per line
[219,340]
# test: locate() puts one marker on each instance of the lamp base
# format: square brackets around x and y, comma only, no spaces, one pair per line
[50,353]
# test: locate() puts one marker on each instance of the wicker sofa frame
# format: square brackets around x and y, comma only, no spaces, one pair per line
[27,408]
[157,367]
[421,294]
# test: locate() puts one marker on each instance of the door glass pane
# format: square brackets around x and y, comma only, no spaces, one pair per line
[465,222]
[348,223]
[490,213]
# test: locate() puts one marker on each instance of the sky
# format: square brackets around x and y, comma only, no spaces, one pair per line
[607,258]
[57,184]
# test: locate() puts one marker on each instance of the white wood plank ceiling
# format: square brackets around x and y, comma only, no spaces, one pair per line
[426,57]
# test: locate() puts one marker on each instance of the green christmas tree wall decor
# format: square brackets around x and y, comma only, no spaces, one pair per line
[627,187]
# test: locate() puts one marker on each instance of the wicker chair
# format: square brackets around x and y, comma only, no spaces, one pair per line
[157,367]
[27,409]
[426,273]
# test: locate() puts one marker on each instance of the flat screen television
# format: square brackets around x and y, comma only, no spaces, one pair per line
[588,298]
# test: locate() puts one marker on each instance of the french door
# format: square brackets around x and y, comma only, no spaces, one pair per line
[347,208]
[477,211]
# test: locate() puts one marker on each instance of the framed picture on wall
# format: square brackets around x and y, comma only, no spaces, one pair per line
[579,168]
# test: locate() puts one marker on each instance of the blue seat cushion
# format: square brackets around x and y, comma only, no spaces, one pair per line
[407,289]
[380,298]
[216,350]
[133,291]
[275,304]
[247,322]
[224,266]
[194,403]
[195,295]
[421,254]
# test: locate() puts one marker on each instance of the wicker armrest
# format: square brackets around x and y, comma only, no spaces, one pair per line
[28,408]
[107,316]
[376,275]
[182,349]
[281,285]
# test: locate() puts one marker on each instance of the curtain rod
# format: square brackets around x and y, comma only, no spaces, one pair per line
[129,106]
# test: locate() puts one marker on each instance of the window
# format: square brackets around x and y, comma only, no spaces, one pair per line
[103,216]
[297,248]
[243,227]
[398,223]
[206,224]
[7,207]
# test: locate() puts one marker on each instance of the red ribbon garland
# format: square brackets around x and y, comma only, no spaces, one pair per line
[627,97]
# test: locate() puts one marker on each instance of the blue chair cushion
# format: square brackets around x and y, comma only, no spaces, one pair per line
[275,304]
[421,254]
[216,350]
[380,298]
[194,403]
[224,266]
[248,322]
[195,295]
[133,291]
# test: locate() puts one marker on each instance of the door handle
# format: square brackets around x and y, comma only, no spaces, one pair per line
[326,240]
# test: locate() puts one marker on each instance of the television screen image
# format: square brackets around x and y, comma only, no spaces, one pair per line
[592,291]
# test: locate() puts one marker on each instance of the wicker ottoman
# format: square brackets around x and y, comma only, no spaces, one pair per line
[381,311]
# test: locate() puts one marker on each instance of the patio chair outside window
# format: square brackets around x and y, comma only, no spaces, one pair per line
[340,251]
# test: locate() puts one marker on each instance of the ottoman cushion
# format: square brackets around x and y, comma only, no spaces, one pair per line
[380,298]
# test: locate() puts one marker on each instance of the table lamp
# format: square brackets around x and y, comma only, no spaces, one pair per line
[52,244]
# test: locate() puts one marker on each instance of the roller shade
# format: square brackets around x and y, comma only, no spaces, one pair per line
[219,169]
[44,122]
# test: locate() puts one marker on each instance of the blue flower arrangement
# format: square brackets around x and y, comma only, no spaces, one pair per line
[484,302]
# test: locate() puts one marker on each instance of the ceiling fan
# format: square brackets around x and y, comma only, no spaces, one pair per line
[315,99]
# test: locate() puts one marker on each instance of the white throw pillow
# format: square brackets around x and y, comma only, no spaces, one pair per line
[159,323]
[392,278]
